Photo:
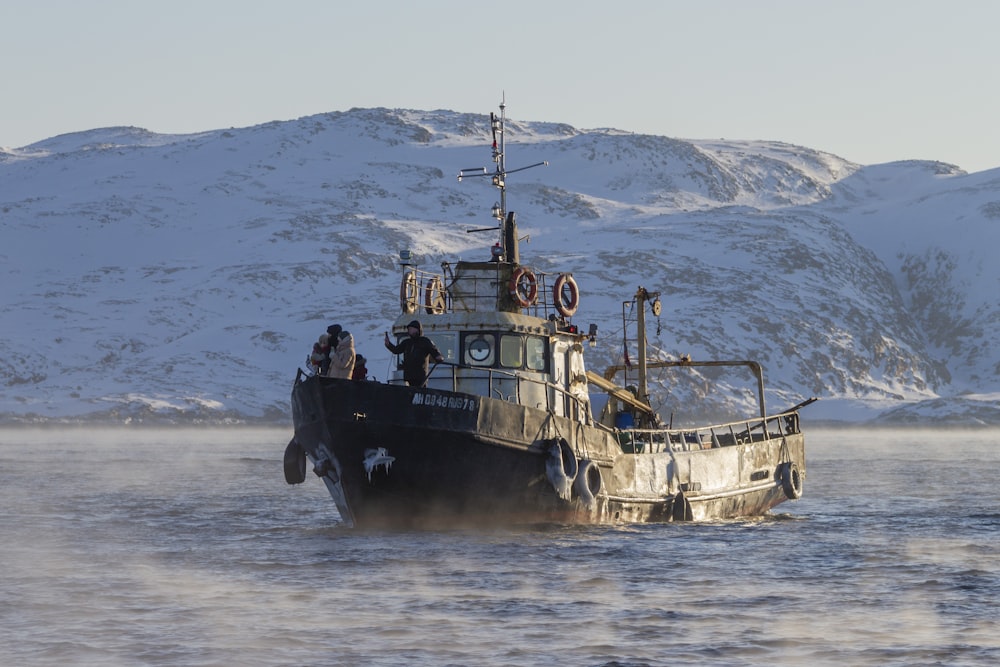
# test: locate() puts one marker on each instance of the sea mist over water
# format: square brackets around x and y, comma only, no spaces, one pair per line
[186,547]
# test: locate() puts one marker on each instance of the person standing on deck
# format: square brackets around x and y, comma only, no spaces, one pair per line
[360,368]
[416,350]
[342,356]
[332,334]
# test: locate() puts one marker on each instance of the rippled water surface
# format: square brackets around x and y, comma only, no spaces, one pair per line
[186,547]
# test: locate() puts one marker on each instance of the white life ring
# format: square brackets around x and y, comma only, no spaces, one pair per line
[566,295]
[434,298]
[523,287]
[409,291]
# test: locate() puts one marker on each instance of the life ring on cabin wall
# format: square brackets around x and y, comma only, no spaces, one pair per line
[566,295]
[523,287]
[409,292]
[434,297]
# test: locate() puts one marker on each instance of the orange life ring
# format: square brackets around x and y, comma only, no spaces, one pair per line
[523,287]
[409,291]
[434,299]
[566,295]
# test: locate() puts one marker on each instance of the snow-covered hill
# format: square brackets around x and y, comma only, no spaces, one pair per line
[185,277]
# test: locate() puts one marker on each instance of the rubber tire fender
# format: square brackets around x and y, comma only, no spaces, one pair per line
[295,462]
[791,480]
[561,467]
[588,482]
[571,467]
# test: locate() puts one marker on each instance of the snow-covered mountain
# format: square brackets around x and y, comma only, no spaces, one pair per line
[154,277]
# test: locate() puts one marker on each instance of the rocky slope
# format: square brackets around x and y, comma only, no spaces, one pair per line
[153,277]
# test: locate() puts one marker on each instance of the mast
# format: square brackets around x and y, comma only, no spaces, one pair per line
[508,223]
[642,295]
[508,242]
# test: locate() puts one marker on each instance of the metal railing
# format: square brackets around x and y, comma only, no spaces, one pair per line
[707,437]
[508,386]
[435,293]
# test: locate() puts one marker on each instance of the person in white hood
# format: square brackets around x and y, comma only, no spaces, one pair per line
[342,357]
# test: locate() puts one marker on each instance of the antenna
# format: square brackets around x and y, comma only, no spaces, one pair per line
[506,223]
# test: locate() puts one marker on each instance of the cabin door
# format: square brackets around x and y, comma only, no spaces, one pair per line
[557,399]
[576,386]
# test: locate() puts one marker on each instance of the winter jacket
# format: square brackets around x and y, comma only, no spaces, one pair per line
[342,358]
[360,368]
[416,351]
[324,354]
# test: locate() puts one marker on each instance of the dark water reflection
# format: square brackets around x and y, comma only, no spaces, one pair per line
[187,548]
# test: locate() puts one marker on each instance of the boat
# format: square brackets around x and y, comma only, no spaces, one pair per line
[511,428]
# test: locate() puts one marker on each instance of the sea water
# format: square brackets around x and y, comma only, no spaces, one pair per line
[186,547]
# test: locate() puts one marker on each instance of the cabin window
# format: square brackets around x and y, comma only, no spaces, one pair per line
[446,342]
[480,349]
[535,353]
[511,351]
[505,351]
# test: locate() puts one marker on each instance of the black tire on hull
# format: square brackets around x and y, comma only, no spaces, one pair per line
[681,510]
[295,463]
[791,480]
[588,483]
[570,466]
[561,467]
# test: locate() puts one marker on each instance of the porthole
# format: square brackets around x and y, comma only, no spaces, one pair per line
[479,349]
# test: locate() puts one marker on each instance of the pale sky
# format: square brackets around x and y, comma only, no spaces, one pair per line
[871,81]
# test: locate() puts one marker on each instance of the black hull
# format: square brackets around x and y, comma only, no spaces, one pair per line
[399,456]
[443,470]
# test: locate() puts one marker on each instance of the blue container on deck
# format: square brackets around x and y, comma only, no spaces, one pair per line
[624,420]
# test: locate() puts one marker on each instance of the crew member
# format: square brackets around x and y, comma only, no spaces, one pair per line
[416,350]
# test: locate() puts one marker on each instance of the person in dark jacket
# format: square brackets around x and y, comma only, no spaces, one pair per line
[332,335]
[416,349]
[360,368]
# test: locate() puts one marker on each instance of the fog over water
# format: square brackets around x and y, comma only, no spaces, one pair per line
[186,547]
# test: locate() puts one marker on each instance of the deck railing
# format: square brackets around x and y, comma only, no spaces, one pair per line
[707,437]
[508,386]
[436,293]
